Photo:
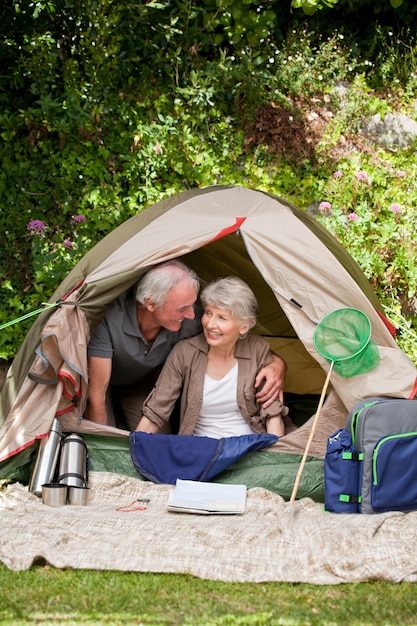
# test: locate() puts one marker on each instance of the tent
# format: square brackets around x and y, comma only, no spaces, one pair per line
[299,273]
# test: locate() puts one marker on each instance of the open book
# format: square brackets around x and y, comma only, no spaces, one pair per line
[191,496]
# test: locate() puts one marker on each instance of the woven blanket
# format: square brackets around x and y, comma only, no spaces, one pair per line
[273,541]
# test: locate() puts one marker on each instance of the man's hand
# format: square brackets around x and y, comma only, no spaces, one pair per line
[270,381]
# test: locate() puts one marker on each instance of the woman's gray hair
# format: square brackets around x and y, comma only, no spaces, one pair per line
[234,295]
[158,281]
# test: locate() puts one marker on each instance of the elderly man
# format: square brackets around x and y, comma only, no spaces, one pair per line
[138,332]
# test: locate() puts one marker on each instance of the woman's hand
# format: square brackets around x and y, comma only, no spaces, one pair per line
[146,426]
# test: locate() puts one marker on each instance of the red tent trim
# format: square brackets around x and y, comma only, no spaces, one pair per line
[392,329]
[230,229]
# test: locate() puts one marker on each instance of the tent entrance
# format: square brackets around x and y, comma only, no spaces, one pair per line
[228,256]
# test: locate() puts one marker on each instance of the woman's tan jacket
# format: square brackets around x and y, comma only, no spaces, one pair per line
[183,375]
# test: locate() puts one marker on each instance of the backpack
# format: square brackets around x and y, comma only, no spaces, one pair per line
[381,433]
[385,430]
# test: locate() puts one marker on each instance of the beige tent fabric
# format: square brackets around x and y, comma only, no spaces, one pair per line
[190,224]
[320,284]
[58,373]
[272,541]
[332,417]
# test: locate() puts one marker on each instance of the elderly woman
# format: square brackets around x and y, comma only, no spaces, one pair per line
[214,372]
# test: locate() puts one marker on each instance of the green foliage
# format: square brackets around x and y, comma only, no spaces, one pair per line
[370,208]
[311,6]
[373,216]
[108,107]
[396,60]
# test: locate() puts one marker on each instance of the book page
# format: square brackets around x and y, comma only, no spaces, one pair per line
[207,498]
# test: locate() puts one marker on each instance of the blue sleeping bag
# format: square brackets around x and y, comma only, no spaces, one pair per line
[164,458]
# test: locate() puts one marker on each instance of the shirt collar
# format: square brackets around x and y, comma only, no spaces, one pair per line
[130,321]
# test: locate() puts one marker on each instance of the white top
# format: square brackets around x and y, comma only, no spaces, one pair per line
[220,415]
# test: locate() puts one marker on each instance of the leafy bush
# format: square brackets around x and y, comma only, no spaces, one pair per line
[372,213]
[108,107]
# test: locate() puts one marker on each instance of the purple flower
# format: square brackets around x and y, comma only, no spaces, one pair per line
[362,177]
[35,226]
[395,208]
[401,174]
[78,219]
[338,174]
[325,206]
[353,216]
[68,243]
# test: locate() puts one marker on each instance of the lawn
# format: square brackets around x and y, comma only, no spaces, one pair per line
[44,595]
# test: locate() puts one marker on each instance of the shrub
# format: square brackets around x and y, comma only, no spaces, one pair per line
[108,107]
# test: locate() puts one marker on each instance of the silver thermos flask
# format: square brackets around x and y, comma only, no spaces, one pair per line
[73,465]
[46,459]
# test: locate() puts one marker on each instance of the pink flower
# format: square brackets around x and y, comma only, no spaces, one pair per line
[35,226]
[353,216]
[68,243]
[395,208]
[338,174]
[362,177]
[325,206]
[401,174]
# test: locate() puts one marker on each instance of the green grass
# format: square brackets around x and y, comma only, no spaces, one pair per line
[43,595]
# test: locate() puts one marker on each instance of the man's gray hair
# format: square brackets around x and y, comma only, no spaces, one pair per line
[158,281]
[234,295]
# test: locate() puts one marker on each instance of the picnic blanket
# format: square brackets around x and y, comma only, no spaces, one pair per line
[273,541]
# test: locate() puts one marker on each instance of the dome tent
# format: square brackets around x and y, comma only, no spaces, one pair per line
[299,274]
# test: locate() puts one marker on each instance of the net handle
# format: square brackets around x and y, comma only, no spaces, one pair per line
[310,439]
